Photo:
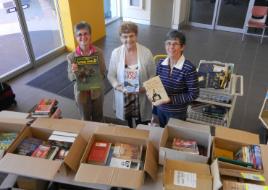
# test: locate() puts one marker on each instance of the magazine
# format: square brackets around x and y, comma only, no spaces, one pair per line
[88,76]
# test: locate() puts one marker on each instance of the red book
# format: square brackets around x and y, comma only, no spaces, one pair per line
[41,151]
[45,105]
[99,153]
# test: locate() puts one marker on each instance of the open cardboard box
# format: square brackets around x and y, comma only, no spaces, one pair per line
[263,116]
[43,168]
[186,131]
[183,175]
[111,176]
[232,139]
[12,126]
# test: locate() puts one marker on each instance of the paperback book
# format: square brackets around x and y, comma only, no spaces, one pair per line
[6,139]
[88,76]
[131,83]
[189,146]
[156,91]
[127,151]
[45,106]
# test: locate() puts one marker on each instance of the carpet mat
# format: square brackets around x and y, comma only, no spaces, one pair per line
[56,81]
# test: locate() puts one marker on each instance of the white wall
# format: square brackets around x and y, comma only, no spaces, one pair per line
[180,13]
[137,15]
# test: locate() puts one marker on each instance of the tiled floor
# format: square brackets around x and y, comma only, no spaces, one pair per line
[249,56]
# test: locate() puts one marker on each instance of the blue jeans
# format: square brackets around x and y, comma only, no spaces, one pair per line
[164,116]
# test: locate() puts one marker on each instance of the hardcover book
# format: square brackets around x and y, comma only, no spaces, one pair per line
[99,153]
[88,76]
[156,91]
[131,82]
[127,151]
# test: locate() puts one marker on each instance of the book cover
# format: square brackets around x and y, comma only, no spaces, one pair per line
[185,145]
[122,163]
[52,152]
[99,153]
[127,151]
[28,146]
[88,76]
[131,83]
[45,106]
[156,91]
[41,151]
[6,139]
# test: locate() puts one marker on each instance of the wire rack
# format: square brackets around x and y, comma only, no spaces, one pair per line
[196,113]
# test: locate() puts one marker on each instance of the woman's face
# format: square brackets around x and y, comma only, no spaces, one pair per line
[129,39]
[83,37]
[174,48]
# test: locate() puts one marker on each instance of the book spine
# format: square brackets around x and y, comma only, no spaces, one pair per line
[257,151]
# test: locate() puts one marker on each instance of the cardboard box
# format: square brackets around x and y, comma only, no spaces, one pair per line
[31,184]
[43,168]
[232,139]
[263,116]
[119,177]
[182,175]
[187,131]
[12,126]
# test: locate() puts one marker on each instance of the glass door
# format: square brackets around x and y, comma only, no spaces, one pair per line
[30,33]
[231,15]
[202,13]
[228,15]
[14,53]
[43,25]
[111,10]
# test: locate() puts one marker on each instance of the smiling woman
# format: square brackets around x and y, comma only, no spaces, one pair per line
[130,65]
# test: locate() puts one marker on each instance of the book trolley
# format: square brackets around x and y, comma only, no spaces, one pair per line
[203,109]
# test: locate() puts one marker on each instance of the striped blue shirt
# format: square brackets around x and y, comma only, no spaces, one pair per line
[181,84]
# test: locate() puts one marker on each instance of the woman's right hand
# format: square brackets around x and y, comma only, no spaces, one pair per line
[74,67]
[120,88]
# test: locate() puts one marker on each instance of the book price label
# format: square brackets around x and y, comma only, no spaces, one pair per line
[185,179]
[256,187]
[255,177]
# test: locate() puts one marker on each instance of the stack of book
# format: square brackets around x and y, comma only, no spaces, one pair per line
[55,148]
[189,146]
[47,108]
[120,155]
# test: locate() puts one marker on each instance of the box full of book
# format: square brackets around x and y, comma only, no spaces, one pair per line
[183,140]
[130,156]
[41,151]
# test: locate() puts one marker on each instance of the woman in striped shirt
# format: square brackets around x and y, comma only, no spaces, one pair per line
[179,78]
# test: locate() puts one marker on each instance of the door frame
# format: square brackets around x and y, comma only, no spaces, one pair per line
[33,61]
[216,13]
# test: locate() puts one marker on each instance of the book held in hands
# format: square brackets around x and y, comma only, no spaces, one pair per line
[88,76]
[156,91]
[131,83]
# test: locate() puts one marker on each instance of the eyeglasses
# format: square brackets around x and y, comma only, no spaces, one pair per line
[82,34]
[172,43]
[126,36]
